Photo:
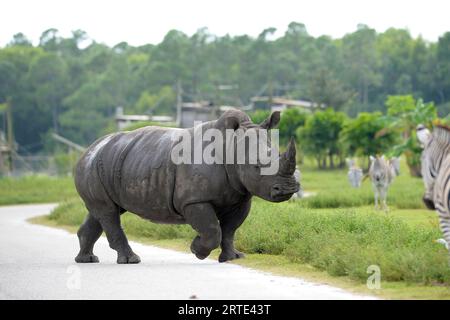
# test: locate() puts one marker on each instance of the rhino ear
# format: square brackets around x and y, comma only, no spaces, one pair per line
[229,122]
[232,123]
[372,158]
[272,121]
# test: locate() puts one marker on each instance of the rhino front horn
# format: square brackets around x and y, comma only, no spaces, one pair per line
[288,161]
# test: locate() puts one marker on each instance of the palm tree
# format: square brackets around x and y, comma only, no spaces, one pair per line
[404,114]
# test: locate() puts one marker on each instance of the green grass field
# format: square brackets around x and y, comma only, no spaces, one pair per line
[36,189]
[331,237]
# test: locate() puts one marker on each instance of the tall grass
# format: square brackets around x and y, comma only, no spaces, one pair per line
[343,242]
[35,189]
[346,242]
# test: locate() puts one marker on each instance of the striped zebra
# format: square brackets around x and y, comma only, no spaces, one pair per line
[436,173]
[298,177]
[382,172]
[355,174]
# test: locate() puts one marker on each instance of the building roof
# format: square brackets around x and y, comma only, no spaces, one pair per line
[286,101]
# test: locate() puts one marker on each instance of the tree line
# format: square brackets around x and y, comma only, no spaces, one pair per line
[72,86]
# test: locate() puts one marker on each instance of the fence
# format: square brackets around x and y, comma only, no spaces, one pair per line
[60,164]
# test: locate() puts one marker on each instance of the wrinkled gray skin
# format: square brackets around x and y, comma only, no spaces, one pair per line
[132,171]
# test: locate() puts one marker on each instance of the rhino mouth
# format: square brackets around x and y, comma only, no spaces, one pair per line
[282,192]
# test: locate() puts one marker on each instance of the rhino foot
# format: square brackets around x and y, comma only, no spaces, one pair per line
[128,259]
[199,251]
[86,258]
[230,255]
[199,255]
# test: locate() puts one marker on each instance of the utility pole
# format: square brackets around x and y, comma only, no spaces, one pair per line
[10,133]
[179,102]
[270,92]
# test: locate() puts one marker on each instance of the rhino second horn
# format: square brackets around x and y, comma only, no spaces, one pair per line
[288,161]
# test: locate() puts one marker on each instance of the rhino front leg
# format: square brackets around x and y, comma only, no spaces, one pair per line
[110,222]
[202,217]
[230,221]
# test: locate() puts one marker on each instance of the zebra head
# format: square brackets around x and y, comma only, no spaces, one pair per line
[378,170]
[436,147]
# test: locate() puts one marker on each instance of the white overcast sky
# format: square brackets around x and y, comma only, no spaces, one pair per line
[147,21]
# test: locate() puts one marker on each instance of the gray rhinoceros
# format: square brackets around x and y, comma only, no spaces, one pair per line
[133,171]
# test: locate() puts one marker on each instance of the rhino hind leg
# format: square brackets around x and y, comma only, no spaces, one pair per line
[202,217]
[229,223]
[110,223]
[88,234]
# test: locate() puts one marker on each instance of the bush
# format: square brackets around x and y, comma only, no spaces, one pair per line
[320,136]
[291,120]
[360,135]
[346,242]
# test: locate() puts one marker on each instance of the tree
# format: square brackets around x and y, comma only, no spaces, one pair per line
[361,61]
[49,39]
[291,120]
[443,67]
[8,78]
[404,114]
[326,90]
[395,50]
[360,136]
[48,76]
[161,103]
[19,39]
[65,80]
[320,136]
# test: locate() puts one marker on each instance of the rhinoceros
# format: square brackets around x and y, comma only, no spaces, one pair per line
[133,171]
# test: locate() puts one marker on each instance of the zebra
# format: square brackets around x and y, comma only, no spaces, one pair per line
[436,174]
[355,173]
[298,176]
[382,172]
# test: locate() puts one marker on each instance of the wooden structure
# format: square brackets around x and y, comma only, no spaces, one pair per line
[203,111]
[5,155]
[124,120]
[280,103]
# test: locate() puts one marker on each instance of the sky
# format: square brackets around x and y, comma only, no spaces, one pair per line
[140,22]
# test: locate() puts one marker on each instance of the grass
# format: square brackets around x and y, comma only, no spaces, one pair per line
[339,242]
[35,189]
[334,191]
[265,254]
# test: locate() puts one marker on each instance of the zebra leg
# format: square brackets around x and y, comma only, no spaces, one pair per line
[375,190]
[383,196]
[444,222]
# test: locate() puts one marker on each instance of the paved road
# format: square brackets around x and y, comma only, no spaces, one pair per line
[36,262]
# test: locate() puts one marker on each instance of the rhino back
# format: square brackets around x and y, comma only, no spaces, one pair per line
[137,174]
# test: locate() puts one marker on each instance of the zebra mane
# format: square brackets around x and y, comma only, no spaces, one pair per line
[442,134]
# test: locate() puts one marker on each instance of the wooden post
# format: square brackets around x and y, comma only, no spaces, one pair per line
[10,133]
[2,166]
[179,103]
